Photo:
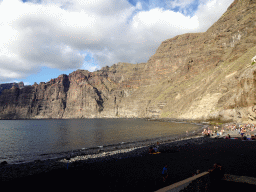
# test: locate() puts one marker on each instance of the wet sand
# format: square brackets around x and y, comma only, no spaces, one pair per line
[135,170]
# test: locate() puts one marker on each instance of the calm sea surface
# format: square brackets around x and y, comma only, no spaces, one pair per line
[28,140]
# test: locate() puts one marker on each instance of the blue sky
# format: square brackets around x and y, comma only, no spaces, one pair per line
[42,39]
[188,7]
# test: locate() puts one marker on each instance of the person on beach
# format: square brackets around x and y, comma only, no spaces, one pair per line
[217,173]
[205,133]
[221,132]
[155,148]
[227,137]
[151,150]
[197,172]
[242,132]
[164,173]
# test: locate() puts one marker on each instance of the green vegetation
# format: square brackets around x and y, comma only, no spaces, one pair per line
[215,123]
[253,63]
[165,114]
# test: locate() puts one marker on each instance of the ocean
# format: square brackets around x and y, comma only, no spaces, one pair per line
[29,140]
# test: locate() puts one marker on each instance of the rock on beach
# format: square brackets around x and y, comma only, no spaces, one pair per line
[10,172]
[135,169]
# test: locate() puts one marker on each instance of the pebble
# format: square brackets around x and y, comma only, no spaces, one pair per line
[8,172]
[4,163]
[94,156]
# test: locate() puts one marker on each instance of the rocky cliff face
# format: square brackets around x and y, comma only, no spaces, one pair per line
[4,86]
[202,76]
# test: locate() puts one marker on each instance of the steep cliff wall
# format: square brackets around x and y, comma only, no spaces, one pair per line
[205,68]
[4,86]
[192,76]
[16,103]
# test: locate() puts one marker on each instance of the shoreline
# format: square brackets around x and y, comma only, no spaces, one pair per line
[15,172]
[134,168]
[143,148]
[106,148]
[120,148]
[20,170]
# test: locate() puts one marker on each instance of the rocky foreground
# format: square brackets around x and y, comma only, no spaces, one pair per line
[10,172]
[134,169]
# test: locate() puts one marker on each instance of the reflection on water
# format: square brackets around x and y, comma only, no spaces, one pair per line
[24,139]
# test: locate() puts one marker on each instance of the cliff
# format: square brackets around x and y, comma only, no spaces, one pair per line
[4,86]
[201,76]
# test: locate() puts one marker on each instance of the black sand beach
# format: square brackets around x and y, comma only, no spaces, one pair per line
[136,170]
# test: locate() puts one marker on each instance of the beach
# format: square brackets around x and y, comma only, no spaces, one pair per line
[134,168]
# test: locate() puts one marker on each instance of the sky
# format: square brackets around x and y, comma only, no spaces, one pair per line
[41,39]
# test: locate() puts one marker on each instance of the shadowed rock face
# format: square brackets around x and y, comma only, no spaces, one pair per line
[10,85]
[200,76]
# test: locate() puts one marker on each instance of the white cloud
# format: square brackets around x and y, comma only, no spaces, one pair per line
[17,81]
[92,68]
[165,19]
[57,33]
[139,6]
[179,3]
[27,83]
[210,11]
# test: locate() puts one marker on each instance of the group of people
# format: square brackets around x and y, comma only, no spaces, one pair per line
[207,132]
[244,130]
[240,127]
[154,149]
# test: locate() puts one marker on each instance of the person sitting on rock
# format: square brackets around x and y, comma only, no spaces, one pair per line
[217,173]
[227,137]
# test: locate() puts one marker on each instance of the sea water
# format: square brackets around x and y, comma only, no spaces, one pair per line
[29,140]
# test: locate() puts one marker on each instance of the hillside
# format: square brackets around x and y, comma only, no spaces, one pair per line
[198,76]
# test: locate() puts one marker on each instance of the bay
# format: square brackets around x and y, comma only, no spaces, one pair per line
[29,140]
